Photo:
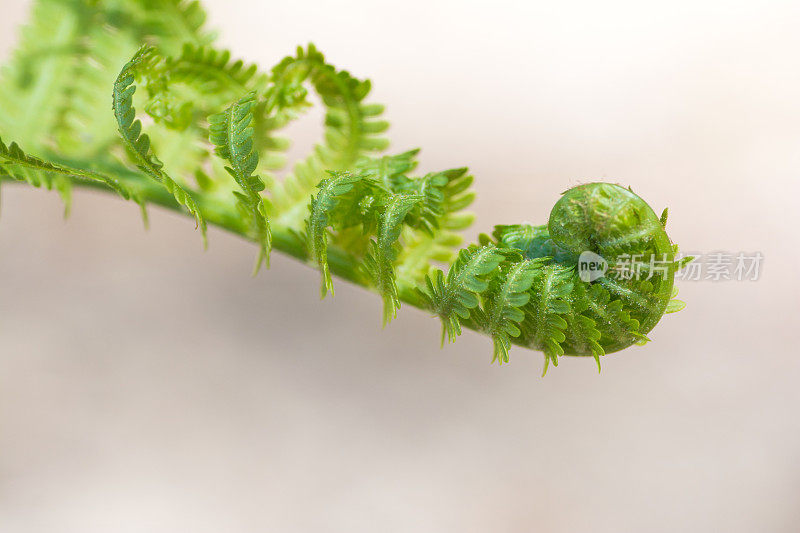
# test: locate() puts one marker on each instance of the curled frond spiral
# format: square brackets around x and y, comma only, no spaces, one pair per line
[347,209]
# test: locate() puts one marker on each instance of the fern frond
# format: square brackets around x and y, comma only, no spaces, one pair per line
[214,71]
[452,298]
[389,170]
[84,128]
[502,309]
[446,195]
[330,194]
[17,164]
[35,84]
[187,88]
[544,322]
[582,333]
[137,142]
[612,315]
[168,23]
[182,93]
[179,22]
[352,128]
[366,218]
[232,134]
[379,262]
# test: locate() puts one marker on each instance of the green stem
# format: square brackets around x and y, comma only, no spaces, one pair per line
[342,264]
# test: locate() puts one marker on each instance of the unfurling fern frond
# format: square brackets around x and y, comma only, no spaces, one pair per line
[380,259]
[346,208]
[137,142]
[452,298]
[232,134]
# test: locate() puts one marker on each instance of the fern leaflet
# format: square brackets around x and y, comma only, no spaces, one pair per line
[331,193]
[453,297]
[232,134]
[379,262]
[502,310]
[138,143]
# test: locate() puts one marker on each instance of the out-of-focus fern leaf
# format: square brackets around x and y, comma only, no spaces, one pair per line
[84,128]
[452,298]
[352,128]
[232,134]
[168,23]
[199,81]
[55,87]
[675,305]
[36,82]
[138,143]
[389,170]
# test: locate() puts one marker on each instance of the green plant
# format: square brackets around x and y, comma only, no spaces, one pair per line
[212,147]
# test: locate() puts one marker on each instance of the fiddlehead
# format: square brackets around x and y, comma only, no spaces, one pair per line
[350,213]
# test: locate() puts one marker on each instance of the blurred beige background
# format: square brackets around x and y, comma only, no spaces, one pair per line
[148,386]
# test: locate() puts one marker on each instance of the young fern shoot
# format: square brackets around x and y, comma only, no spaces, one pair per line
[348,209]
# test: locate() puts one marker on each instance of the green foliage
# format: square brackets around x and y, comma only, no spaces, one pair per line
[382,254]
[504,307]
[446,195]
[16,164]
[582,332]
[545,322]
[352,127]
[232,134]
[347,208]
[138,143]
[453,297]
[332,192]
